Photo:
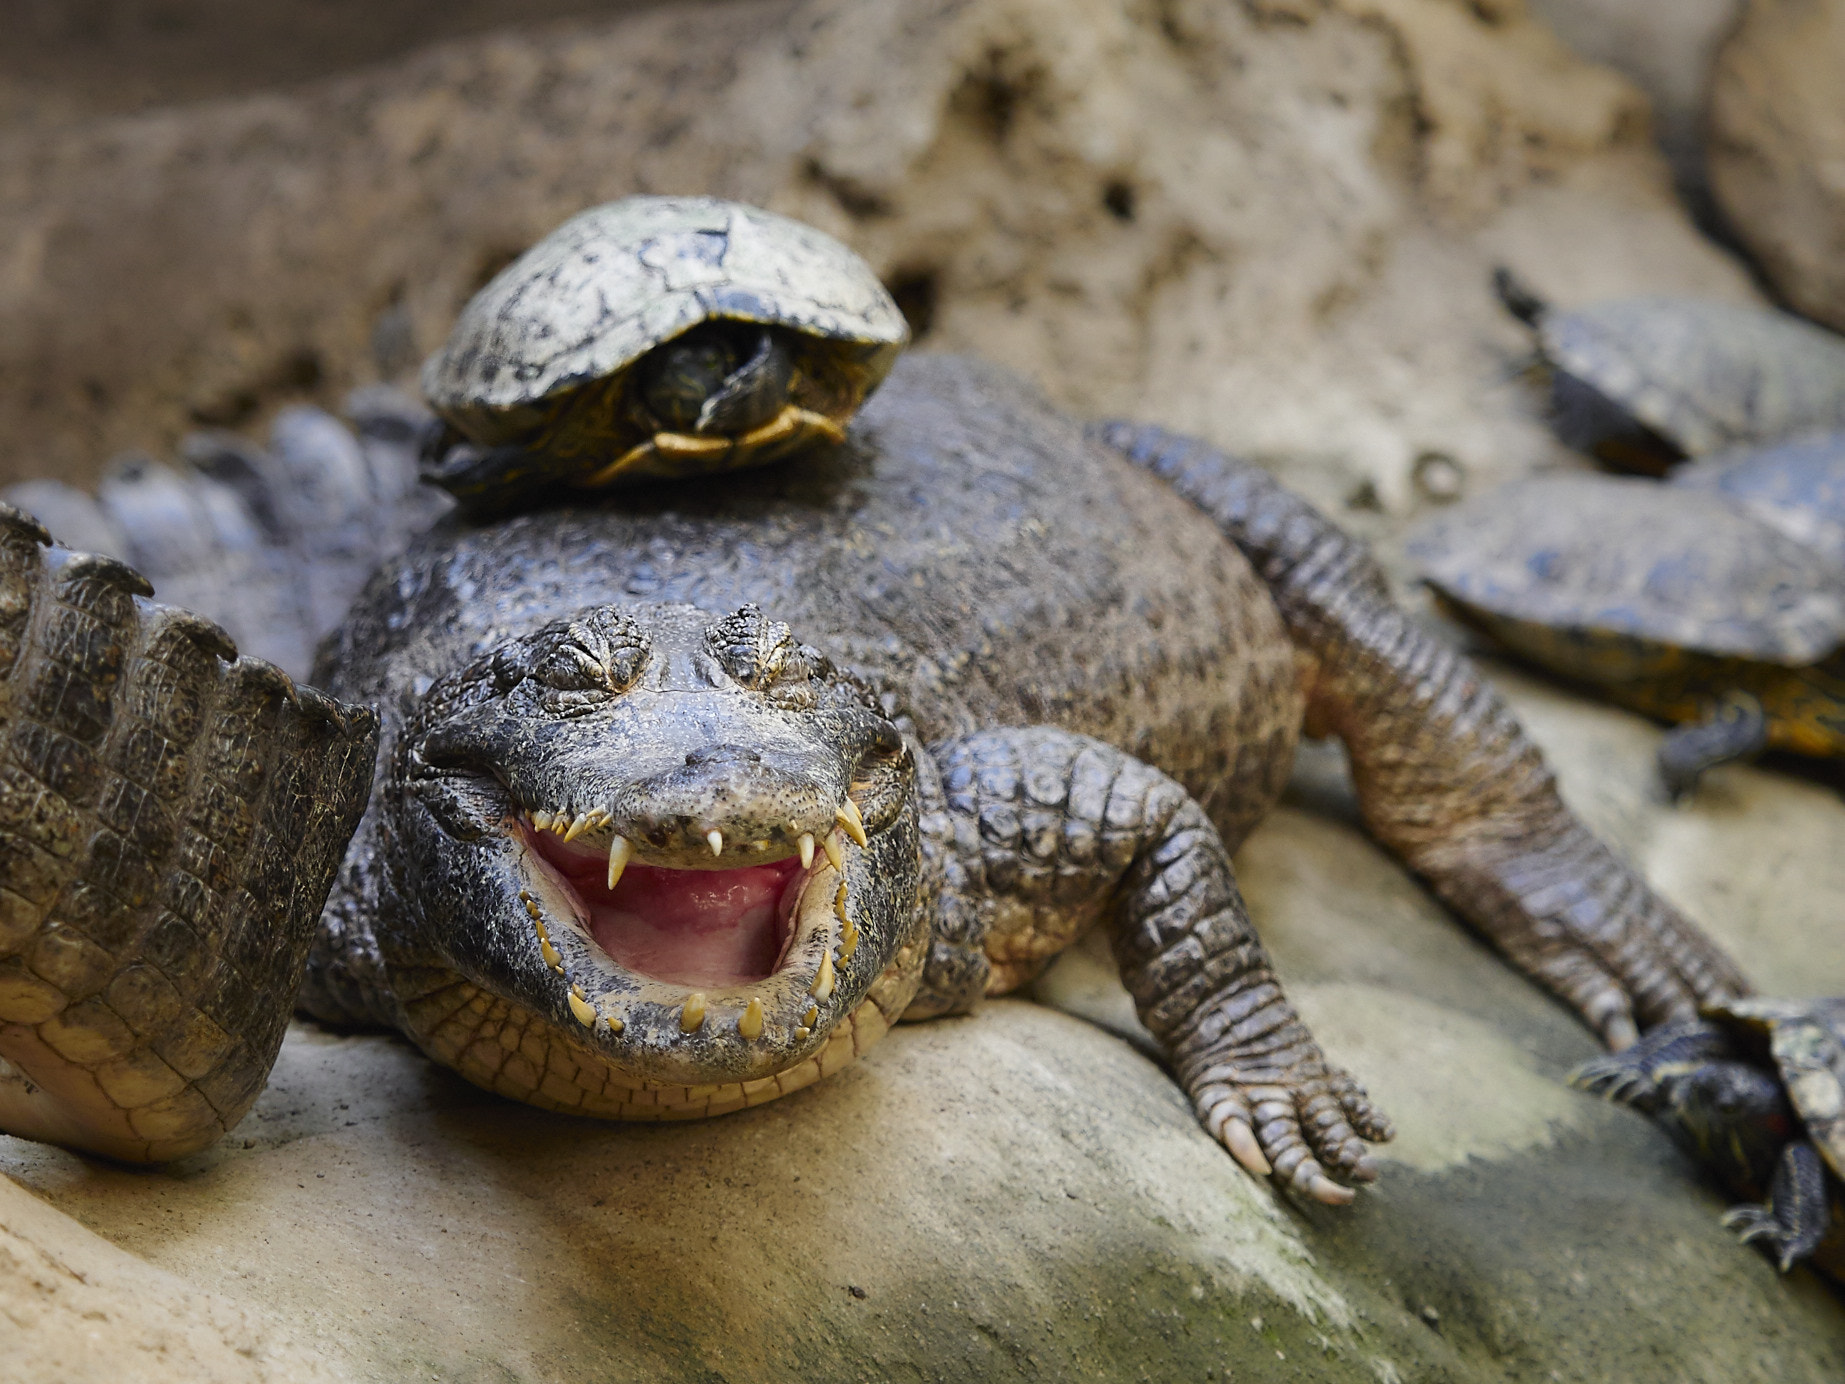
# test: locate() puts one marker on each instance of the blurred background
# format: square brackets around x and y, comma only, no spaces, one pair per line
[211,210]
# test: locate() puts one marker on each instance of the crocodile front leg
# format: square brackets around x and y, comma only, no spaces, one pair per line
[170,819]
[1041,834]
[1446,777]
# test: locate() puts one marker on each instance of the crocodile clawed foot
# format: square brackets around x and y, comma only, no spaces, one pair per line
[1306,1129]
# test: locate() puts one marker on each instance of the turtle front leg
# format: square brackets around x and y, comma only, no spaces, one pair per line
[1736,727]
[171,817]
[1040,833]
[1446,777]
[1797,1213]
[1632,1077]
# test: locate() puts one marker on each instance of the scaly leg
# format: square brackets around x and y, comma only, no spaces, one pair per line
[1631,1078]
[1446,777]
[1040,833]
[1798,1212]
[170,819]
[1736,727]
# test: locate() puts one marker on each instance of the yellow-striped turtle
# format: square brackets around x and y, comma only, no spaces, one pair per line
[1644,382]
[1674,600]
[656,337]
[1756,1092]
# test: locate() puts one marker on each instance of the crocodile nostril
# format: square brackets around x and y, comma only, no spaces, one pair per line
[722,754]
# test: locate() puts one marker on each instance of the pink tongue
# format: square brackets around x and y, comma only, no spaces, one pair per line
[693,927]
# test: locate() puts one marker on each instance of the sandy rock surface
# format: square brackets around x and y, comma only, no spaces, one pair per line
[1023,1195]
[1666,47]
[75,1309]
[1777,147]
[1304,272]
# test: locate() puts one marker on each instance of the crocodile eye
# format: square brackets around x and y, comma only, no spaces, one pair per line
[589,659]
[749,648]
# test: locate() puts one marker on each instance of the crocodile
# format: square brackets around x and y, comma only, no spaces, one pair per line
[684,796]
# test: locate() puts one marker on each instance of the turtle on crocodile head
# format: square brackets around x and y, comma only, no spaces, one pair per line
[651,337]
[1755,1091]
[685,794]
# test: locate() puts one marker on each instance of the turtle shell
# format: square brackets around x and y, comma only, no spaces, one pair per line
[1806,1039]
[612,283]
[1668,566]
[1798,487]
[1703,375]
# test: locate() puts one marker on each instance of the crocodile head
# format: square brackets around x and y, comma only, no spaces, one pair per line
[652,862]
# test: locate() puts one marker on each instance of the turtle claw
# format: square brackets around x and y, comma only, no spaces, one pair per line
[1797,1213]
[1755,1222]
[1616,1079]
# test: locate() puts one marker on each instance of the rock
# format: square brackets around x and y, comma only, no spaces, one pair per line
[1021,1195]
[1777,152]
[1304,273]
[1666,48]
[77,1310]
[133,54]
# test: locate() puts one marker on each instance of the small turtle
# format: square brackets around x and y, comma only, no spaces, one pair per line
[656,337]
[1642,383]
[1756,1092]
[1798,487]
[1673,600]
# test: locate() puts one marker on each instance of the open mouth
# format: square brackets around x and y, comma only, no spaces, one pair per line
[684,927]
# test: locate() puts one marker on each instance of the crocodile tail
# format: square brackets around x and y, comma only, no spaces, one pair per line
[171,816]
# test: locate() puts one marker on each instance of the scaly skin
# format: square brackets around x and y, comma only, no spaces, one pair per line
[170,817]
[1721,1087]
[1445,775]
[1046,833]
[1042,692]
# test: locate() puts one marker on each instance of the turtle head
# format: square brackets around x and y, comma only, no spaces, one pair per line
[1733,1116]
[656,338]
[673,850]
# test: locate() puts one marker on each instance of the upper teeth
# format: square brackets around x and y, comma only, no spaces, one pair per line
[570,825]
[852,822]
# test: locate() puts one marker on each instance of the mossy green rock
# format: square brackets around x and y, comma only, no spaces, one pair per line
[1024,1195]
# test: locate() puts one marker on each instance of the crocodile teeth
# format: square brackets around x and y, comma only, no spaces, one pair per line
[822,987]
[552,959]
[583,822]
[750,1025]
[619,854]
[692,1013]
[807,850]
[585,1012]
[811,1017]
[847,813]
[848,934]
[715,839]
[835,857]
[542,820]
